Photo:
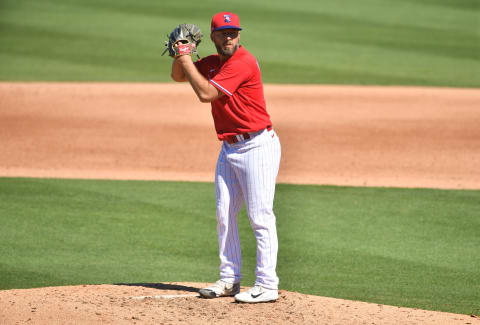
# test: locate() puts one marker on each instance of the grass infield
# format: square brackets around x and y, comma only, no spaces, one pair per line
[406,247]
[380,42]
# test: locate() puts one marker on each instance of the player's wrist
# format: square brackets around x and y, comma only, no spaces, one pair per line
[183,59]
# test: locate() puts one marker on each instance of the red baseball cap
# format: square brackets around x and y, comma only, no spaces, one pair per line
[225,20]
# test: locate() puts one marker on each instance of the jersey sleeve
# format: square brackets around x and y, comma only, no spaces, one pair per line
[231,76]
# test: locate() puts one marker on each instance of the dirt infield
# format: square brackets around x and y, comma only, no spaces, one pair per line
[367,136]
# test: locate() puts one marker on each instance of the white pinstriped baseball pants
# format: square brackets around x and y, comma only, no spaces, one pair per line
[246,172]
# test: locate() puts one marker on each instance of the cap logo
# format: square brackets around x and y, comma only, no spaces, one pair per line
[227,18]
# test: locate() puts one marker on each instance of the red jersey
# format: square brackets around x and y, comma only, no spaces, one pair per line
[243,108]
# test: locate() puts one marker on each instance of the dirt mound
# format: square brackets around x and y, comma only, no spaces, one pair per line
[179,303]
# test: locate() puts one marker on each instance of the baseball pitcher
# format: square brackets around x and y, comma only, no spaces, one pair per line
[249,158]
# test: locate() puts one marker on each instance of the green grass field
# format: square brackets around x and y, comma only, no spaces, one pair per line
[386,42]
[408,247]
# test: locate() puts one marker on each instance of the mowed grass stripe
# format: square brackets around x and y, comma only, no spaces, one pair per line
[370,42]
[407,247]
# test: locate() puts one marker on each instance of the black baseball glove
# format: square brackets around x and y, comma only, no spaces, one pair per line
[189,34]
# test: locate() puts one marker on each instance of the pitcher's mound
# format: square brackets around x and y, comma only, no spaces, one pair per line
[179,303]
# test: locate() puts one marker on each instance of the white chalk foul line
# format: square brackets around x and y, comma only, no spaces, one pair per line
[165,296]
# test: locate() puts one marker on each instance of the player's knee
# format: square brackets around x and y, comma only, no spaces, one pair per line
[264,220]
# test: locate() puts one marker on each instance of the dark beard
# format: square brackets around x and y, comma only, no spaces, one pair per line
[226,53]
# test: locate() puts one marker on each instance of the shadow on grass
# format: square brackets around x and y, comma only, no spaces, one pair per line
[161,286]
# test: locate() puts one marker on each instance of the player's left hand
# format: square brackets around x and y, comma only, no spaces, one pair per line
[183,40]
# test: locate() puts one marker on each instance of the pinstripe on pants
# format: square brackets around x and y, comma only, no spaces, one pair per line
[246,172]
